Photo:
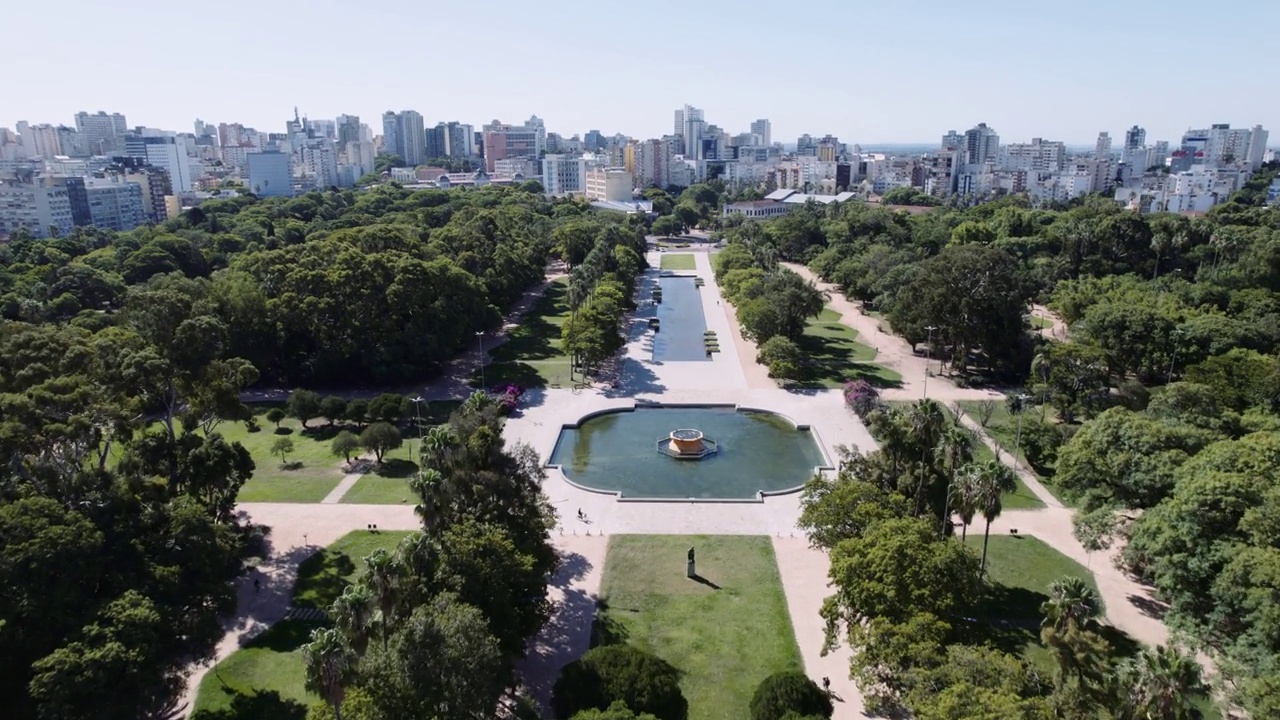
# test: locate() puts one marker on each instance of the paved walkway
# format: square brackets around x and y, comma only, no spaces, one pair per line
[730,377]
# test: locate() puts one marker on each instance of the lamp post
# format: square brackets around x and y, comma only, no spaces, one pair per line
[480,341]
[1176,334]
[928,357]
[417,413]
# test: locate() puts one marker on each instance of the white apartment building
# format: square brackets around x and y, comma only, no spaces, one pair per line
[1036,156]
[164,152]
[318,162]
[36,207]
[115,204]
[764,129]
[609,184]
[564,175]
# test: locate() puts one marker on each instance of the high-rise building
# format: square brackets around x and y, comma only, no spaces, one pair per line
[593,141]
[1257,148]
[981,144]
[503,141]
[271,174]
[449,140]
[1135,138]
[952,140]
[115,204]
[403,134]
[1038,156]
[166,153]
[319,162]
[764,129]
[653,160]
[40,140]
[692,132]
[1102,149]
[40,207]
[72,142]
[103,133]
[348,129]
[563,175]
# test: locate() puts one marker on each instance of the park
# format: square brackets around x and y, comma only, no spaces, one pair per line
[735,486]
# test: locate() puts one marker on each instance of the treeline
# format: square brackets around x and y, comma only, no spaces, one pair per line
[1159,402]
[931,636]
[330,288]
[432,629]
[606,260]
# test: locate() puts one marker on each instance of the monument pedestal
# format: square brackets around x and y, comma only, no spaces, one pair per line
[689,571]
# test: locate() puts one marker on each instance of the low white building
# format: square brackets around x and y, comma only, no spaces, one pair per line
[609,185]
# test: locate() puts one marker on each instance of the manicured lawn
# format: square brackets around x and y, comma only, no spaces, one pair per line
[835,356]
[725,633]
[265,679]
[532,355]
[1021,498]
[678,261]
[1003,427]
[323,576]
[1040,323]
[388,484]
[312,470]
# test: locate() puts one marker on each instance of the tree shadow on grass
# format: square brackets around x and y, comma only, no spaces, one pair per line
[395,468]
[513,372]
[531,339]
[322,577]
[321,433]
[261,705]
[285,636]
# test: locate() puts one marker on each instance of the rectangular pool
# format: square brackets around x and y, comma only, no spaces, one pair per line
[681,322]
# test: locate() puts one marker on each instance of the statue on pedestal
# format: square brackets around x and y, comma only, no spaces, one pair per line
[689,569]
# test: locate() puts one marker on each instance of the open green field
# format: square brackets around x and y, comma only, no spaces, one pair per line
[388,484]
[678,261]
[532,355]
[835,356]
[1039,323]
[725,632]
[312,471]
[1021,498]
[265,679]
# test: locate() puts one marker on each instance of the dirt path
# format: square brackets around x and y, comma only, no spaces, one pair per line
[1058,330]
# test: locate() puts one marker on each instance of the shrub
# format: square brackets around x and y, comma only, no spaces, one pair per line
[987,408]
[862,398]
[605,675]
[787,693]
[1040,442]
[782,356]
[616,711]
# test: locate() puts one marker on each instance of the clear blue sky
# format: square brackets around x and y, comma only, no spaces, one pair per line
[901,71]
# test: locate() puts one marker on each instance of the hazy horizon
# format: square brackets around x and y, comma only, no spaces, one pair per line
[902,73]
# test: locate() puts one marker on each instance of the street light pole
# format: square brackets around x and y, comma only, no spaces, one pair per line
[480,341]
[928,357]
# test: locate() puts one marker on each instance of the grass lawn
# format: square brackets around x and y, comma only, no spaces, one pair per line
[1003,427]
[1021,498]
[1040,323]
[312,470]
[323,576]
[678,261]
[835,356]
[388,484]
[724,633]
[532,355]
[265,679]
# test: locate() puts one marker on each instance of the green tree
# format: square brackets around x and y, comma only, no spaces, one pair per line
[379,438]
[994,479]
[388,407]
[613,673]
[282,447]
[616,711]
[333,408]
[789,692]
[1161,683]
[328,663]
[345,443]
[357,412]
[667,226]
[1071,602]
[782,357]
[844,507]
[303,405]
[1095,530]
[275,416]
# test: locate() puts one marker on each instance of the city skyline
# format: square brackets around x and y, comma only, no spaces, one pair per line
[872,93]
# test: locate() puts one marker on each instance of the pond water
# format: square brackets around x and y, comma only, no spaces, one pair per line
[755,451]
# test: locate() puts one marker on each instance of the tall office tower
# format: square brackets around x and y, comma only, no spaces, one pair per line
[677,127]
[165,152]
[1257,148]
[952,140]
[593,141]
[103,133]
[1135,138]
[348,129]
[1102,150]
[764,129]
[981,144]
[390,133]
[403,134]
[694,129]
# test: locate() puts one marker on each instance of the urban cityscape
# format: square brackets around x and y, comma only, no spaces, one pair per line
[99,171]
[722,360]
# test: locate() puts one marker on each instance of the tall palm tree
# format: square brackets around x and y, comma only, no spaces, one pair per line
[382,578]
[1071,602]
[428,485]
[994,479]
[438,447]
[964,496]
[927,421]
[1080,653]
[1160,684]
[1041,368]
[328,664]
[352,614]
[955,445]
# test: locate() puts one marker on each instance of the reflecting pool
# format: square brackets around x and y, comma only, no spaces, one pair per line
[681,321]
[755,451]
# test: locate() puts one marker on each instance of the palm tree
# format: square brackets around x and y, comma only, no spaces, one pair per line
[955,445]
[428,485]
[964,496]
[994,479]
[382,578]
[352,613]
[927,422]
[328,663]
[437,449]
[1041,368]
[1071,602]
[1160,684]
[1079,652]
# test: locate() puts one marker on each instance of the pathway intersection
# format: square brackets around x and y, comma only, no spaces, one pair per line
[731,377]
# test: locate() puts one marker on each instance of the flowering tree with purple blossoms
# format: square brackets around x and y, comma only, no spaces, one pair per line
[862,398]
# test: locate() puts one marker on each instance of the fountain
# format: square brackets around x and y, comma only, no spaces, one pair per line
[687,444]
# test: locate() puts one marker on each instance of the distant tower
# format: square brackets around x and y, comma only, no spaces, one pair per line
[1102,151]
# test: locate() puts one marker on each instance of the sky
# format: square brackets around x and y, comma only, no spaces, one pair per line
[889,71]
